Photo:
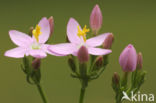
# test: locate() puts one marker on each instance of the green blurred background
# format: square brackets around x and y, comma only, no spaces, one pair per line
[131,21]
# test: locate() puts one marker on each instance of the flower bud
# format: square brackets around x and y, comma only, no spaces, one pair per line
[99,61]
[128,59]
[108,41]
[51,22]
[83,55]
[139,61]
[36,63]
[30,31]
[96,19]
[116,78]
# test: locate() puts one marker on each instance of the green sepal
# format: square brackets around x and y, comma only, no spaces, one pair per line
[33,76]
[29,80]
[75,76]
[140,79]
[26,66]
[124,81]
[105,60]
[72,64]
[83,70]
[36,76]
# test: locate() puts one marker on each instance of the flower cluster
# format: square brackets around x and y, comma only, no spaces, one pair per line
[129,61]
[87,57]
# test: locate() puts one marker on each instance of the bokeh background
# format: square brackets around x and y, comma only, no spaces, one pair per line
[131,21]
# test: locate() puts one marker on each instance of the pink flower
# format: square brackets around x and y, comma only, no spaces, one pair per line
[35,45]
[128,59]
[77,38]
[96,18]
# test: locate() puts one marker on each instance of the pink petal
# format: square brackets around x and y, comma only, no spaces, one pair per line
[128,58]
[45,48]
[72,29]
[38,53]
[63,49]
[97,41]
[96,18]
[98,51]
[19,38]
[45,29]
[16,52]
[123,58]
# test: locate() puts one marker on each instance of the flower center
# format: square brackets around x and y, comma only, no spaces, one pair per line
[35,46]
[82,33]
[36,32]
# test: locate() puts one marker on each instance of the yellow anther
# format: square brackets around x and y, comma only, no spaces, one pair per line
[36,32]
[82,32]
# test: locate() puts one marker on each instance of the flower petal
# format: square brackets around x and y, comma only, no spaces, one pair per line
[19,38]
[128,58]
[18,52]
[98,51]
[37,53]
[45,29]
[63,49]
[45,47]
[97,41]
[72,29]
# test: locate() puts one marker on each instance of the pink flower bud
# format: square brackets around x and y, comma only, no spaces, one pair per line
[30,31]
[108,41]
[139,60]
[36,63]
[51,22]
[128,59]
[96,18]
[116,78]
[99,61]
[83,55]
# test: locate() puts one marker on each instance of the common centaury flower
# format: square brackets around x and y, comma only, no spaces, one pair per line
[77,38]
[128,59]
[35,45]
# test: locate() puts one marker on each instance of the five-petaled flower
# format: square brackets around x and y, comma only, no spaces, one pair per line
[35,45]
[77,38]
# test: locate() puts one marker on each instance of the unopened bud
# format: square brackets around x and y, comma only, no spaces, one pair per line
[139,61]
[83,55]
[71,63]
[30,31]
[128,59]
[51,22]
[108,41]
[116,78]
[96,19]
[36,63]
[99,61]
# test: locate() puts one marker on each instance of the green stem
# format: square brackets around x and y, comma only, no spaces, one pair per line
[42,93]
[82,95]
[124,80]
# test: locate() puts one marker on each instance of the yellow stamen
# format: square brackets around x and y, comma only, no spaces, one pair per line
[36,32]
[82,32]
